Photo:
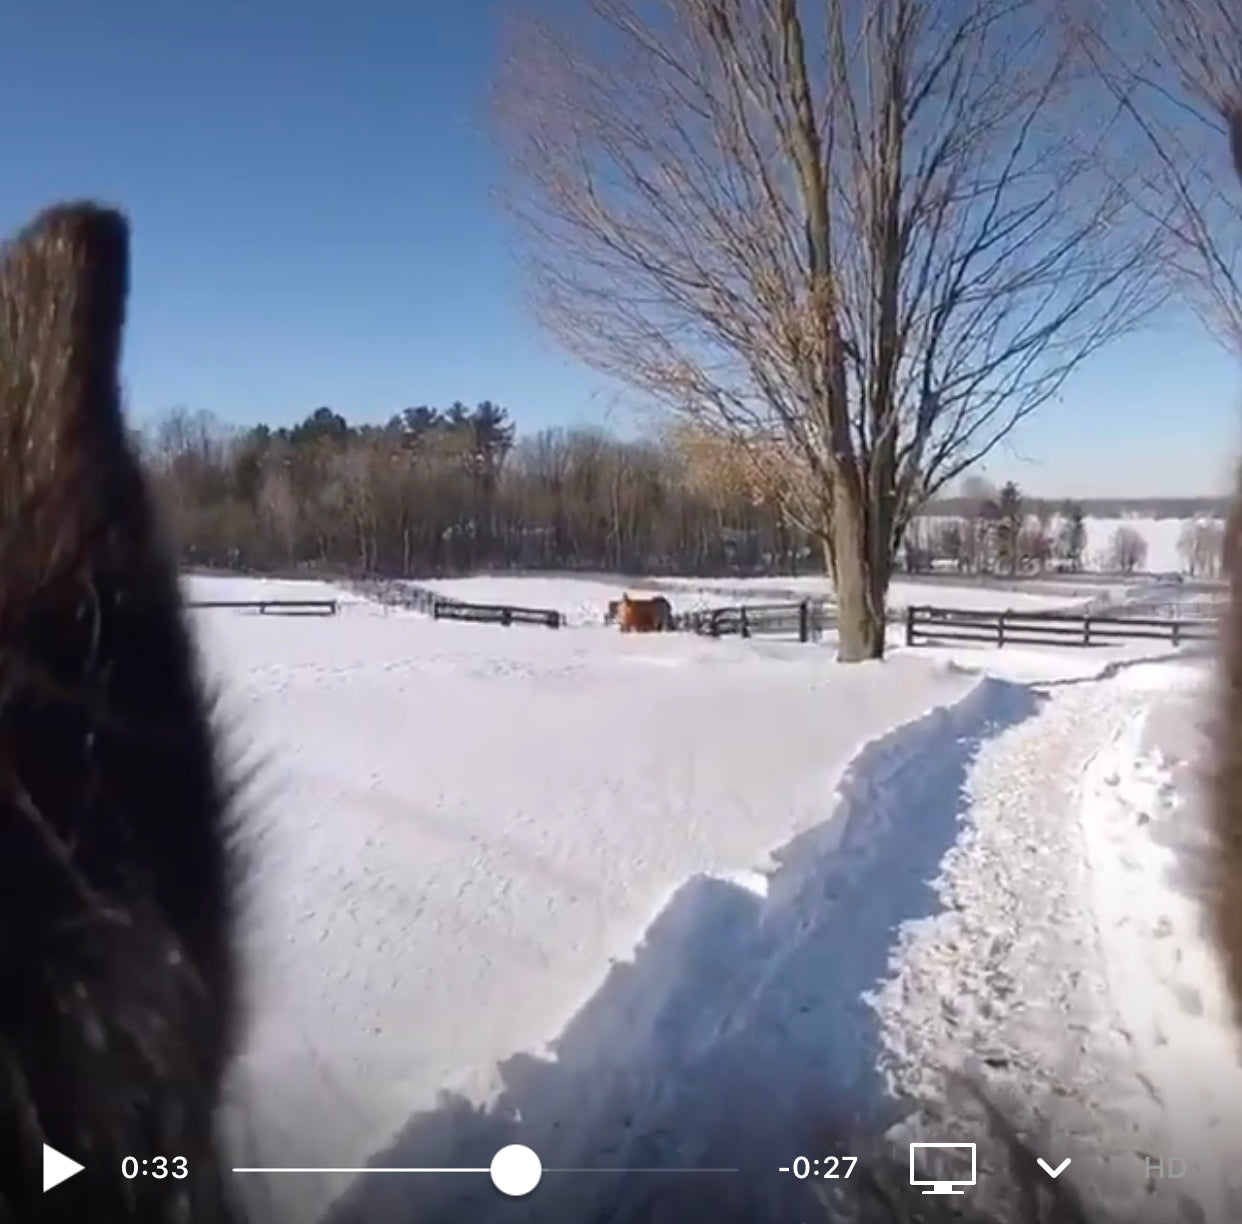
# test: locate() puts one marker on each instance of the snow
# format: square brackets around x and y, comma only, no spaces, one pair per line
[1147,851]
[210,586]
[1068,961]
[1162,536]
[668,902]
[461,828]
[584,600]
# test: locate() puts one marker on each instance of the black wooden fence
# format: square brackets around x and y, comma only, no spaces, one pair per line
[495,614]
[807,619]
[926,625]
[282,607]
[439,607]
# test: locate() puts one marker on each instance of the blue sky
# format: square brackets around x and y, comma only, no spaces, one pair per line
[310,183]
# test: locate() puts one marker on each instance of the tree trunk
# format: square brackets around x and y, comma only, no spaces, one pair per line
[861,580]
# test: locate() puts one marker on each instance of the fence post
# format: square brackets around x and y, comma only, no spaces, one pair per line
[435,609]
[506,616]
[910,625]
[1086,631]
[804,620]
[1177,633]
[745,624]
[1000,629]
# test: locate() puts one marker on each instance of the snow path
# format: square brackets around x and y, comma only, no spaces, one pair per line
[462,833]
[1028,980]
[1147,846]
[738,1034]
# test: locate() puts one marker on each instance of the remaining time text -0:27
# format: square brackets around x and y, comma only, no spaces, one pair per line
[829,1166]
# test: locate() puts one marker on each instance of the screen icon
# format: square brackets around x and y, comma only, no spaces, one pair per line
[942,1167]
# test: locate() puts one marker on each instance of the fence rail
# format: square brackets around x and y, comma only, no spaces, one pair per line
[288,607]
[807,618]
[926,625]
[395,594]
[439,607]
[495,614]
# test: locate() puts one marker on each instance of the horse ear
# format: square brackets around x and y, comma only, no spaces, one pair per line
[1235,137]
[120,995]
[1227,788]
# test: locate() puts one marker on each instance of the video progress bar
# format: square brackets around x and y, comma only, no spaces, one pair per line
[515,1170]
[374,1169]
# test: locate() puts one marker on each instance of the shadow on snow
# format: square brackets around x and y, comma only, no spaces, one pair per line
[737,1038]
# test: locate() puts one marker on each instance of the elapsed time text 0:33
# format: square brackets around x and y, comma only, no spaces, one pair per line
[157,1167]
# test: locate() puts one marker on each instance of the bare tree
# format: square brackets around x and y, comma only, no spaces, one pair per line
[1035,541]
[870,230]
[1212,546]
[1175,69]
[1127,551]
[1201,546]
[278,509]
[978,524]
[1071,538]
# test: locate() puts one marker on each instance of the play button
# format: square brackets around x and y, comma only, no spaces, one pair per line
[57,1167]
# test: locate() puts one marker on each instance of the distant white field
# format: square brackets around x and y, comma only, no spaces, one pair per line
[1162,536]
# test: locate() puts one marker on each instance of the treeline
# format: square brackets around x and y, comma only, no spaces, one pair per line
[448,491]
[999,532]
[1106,507]
[453,491]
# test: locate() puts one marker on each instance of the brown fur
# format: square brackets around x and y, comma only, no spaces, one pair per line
[117,977]
[1227,803]
[654,615]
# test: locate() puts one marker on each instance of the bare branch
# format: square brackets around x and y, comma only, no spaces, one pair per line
[1175,70]
[873,231]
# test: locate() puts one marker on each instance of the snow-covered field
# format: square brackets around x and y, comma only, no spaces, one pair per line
[1165,539]
[584,600]
[669,902]
[1162,536]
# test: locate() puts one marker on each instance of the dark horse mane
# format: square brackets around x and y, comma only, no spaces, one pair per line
[119,872]
[1227,790]
[118,996]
